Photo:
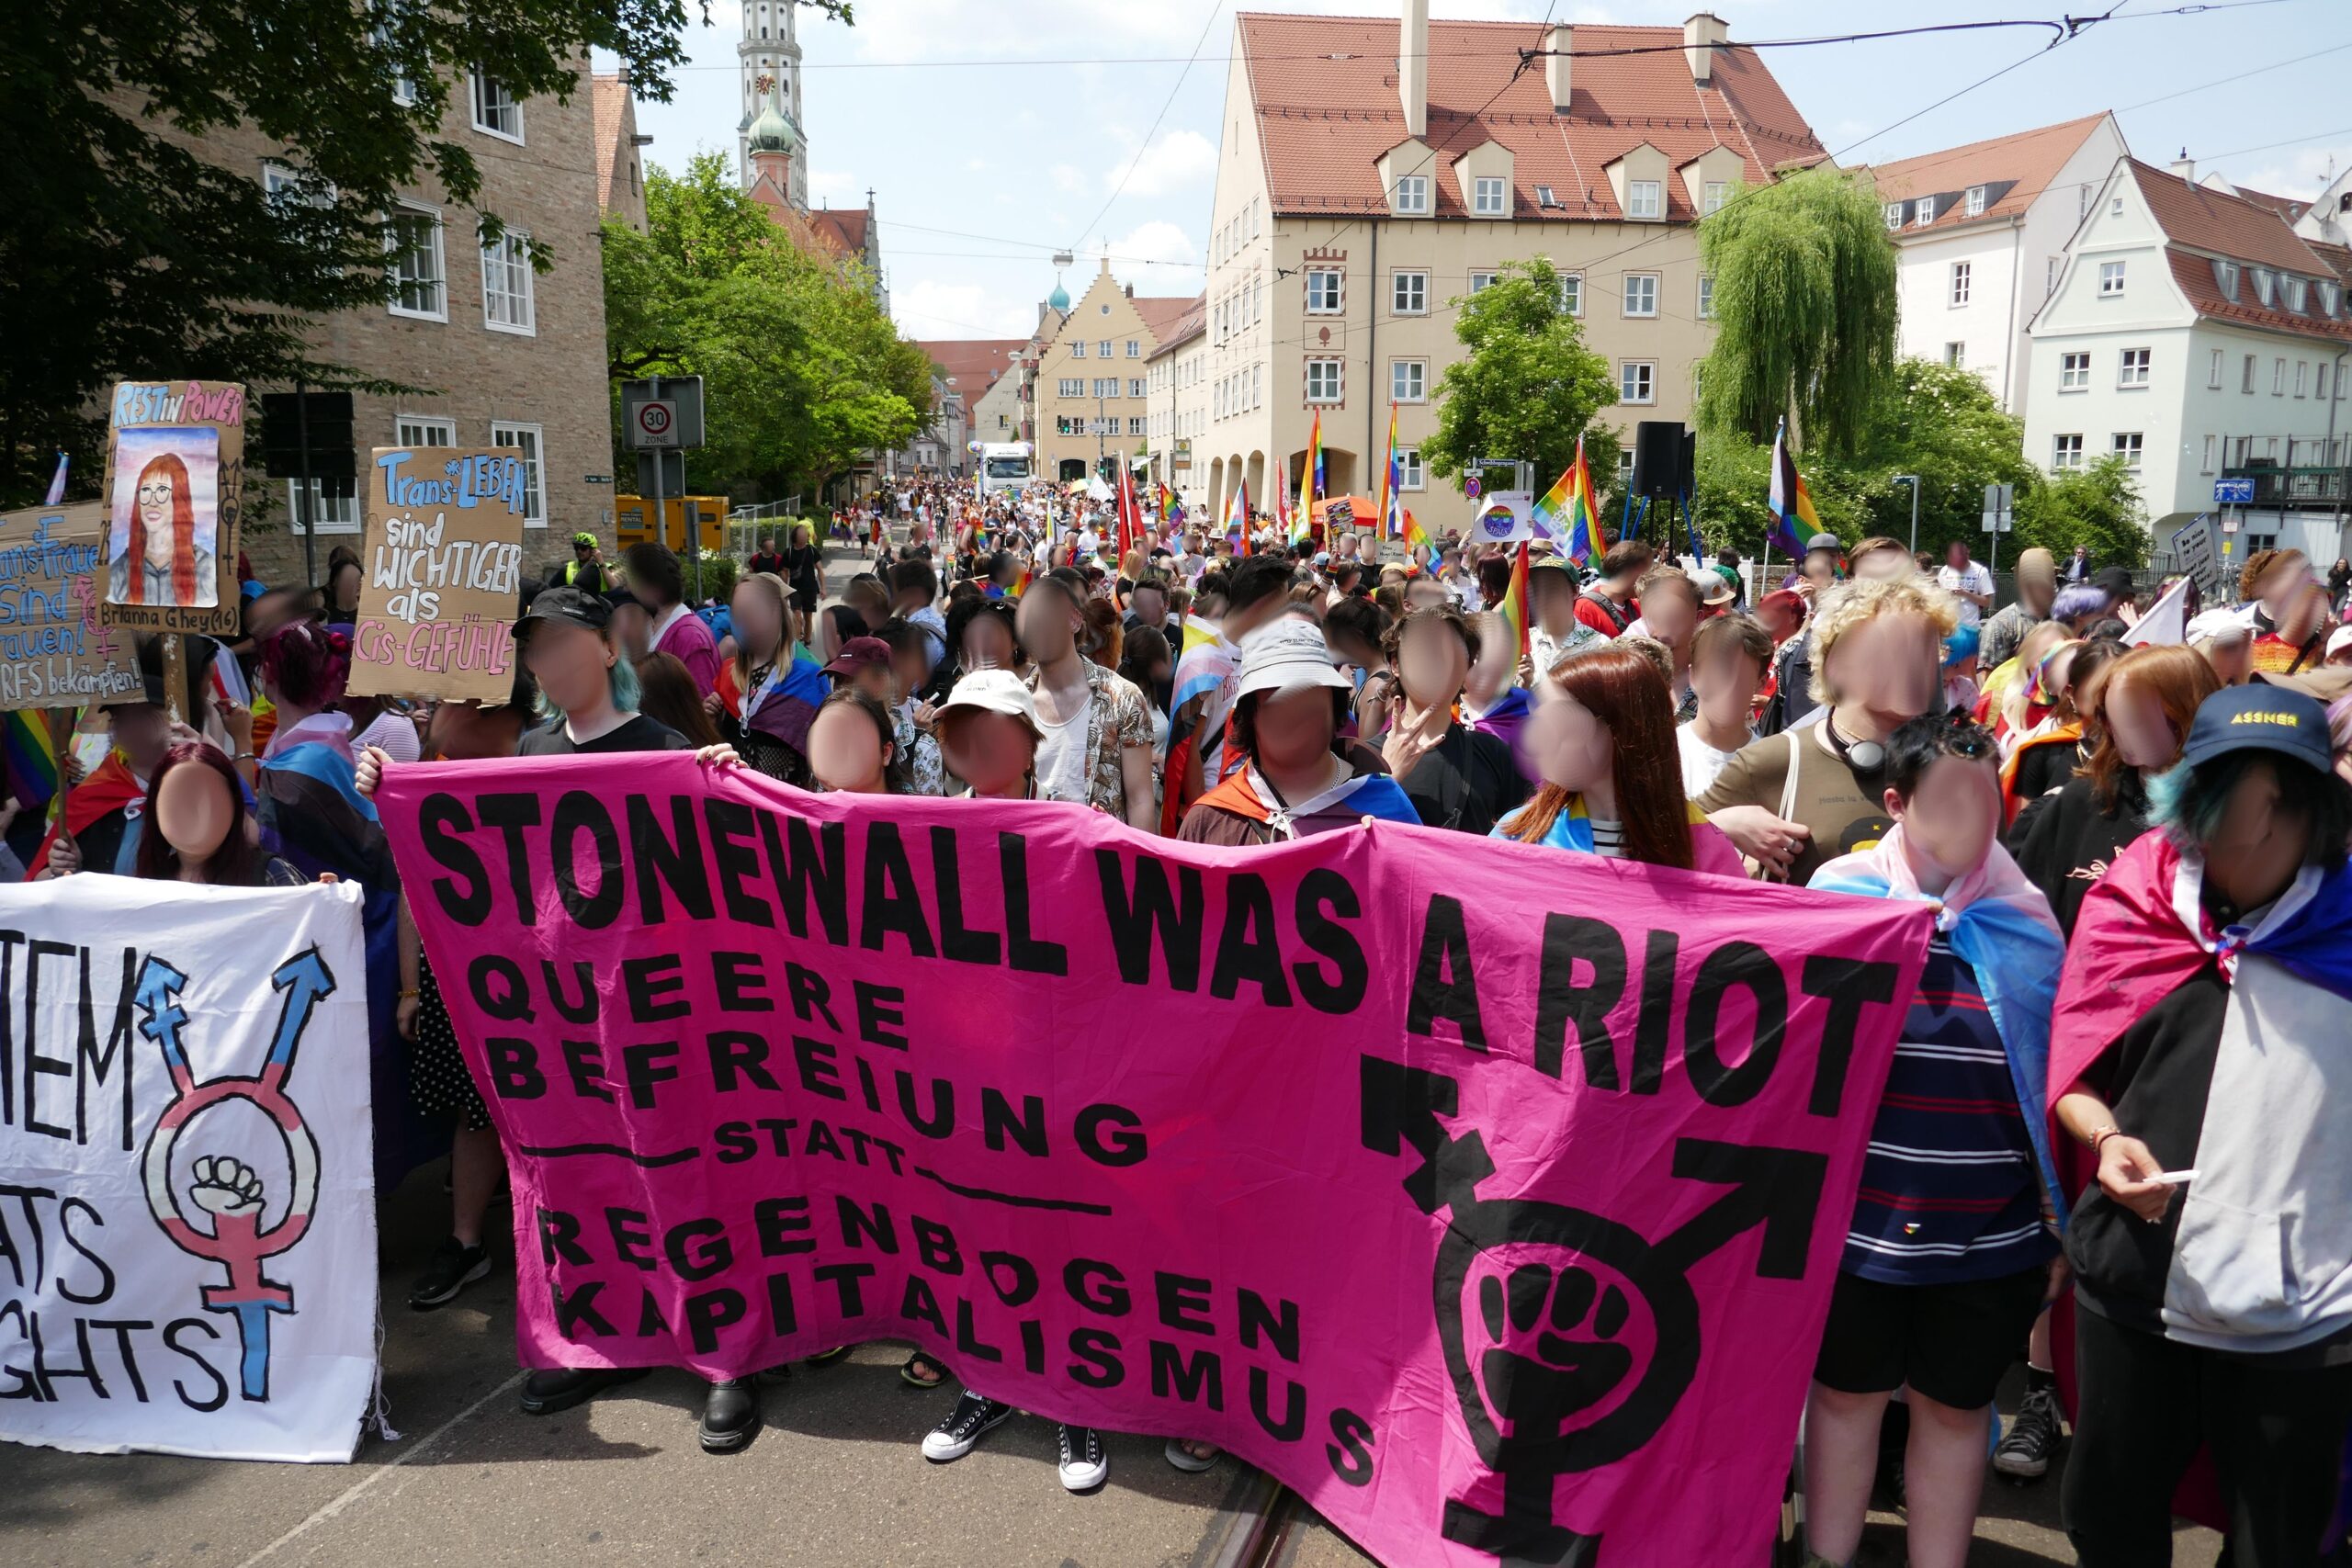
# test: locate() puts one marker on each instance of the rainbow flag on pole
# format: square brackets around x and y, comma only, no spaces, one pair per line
[1567,514]
[1792,503]
[1401,523]
[1513,609]
[1237,519]
[1310,480]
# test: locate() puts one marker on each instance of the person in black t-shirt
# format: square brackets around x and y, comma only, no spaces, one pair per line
[1455,776]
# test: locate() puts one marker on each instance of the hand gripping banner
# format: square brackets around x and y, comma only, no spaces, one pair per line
[188,1223]
[1487,1195]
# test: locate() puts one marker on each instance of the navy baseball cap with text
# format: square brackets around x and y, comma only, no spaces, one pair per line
[2259,717]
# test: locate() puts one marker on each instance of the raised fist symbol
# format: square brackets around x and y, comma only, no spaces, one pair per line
[224,1188]
[1570,1363]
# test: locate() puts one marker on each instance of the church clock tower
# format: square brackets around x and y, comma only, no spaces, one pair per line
[768,64]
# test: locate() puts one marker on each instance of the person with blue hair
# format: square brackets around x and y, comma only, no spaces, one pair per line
[1961,648]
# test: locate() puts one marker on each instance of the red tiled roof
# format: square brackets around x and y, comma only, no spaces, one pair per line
[2338,257]
[1184,328]
[1324,122]
[843,227]
[2286,207]
[1162,313]
[2013,170]
[2207,220]
[973,362]
[2194,274]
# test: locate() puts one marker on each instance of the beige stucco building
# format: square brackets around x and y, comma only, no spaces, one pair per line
[1359,201]
[1091,368]
[1177,386]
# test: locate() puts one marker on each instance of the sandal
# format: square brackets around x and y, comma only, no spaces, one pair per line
[911,1373]
[1188,1461]
[827,1358]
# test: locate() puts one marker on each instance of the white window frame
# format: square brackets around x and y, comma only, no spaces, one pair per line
[1136,386]
[2133,452]
[2075,371]
[1409,292]
[1572,293]
[1956,354]
[1102,349]
[2132,366]
[1412,194]
[2278,377]
[1924,212]
[1491,197]
[440,281]
[2300,364]
[1976,201]
[1645,198]
[504,433]
[1480,281]
[1706,297]
[1134,425]
[480,86]
[1410,473]
[1331,284]
[1070,386]
[1641,373]
[1894,215]
[2207,466]
[1078,348]
[1334,372]
[509,253]
[2064,459]
[1106,388]
[424,430]
[1408,380]
[344,519]
[1712,196]
[1956,293]
[2111,280]
[2213,372]
[1625,298]
[1134,348]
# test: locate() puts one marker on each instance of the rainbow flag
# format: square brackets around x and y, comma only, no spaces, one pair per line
[1567,514]
[1204,662]
[1792,503]
[1237,519]
[1311,475]
[1167,510]
[1401,523]
[1513,609]
[31,755]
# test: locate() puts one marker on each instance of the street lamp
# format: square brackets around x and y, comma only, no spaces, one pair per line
[1913,481]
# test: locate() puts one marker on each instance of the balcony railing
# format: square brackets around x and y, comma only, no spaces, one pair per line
[2295,487]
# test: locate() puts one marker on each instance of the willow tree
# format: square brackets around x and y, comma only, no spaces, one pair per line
[1805,305]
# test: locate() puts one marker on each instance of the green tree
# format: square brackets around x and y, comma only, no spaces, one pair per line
[128,251]
[2098,507]
[1804,306]
[1946,426]
[1527,388]
[802,371]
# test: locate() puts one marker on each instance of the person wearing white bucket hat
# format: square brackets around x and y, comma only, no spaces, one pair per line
[1302,776]
[988,737]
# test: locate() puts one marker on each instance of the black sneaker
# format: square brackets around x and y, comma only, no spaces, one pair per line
[953,1437]
[731,1414]
[1084,1464]
[2032,1438]
[453,1267]
[561,1388]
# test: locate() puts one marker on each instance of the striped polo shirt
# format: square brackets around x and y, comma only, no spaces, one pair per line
[1948,1189]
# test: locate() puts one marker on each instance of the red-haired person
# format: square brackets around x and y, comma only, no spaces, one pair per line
[162,562]
[198,829]
[1602,741]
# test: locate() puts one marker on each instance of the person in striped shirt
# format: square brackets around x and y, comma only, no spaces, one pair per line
[1953,1248]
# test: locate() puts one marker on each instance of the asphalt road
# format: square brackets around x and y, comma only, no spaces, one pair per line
[834,1478]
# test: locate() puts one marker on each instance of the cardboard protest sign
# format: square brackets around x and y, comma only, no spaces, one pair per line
[442,578]
[175,492]
[1489,1196]
[54,652]
[187,1259]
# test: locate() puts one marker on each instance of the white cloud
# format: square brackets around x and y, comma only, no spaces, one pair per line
[836,188]
[1066,177]
[2302,173]
[1176,160]
[929,309]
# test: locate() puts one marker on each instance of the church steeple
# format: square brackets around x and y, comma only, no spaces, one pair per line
[768,61]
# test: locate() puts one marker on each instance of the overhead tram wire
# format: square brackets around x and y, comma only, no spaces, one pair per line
[1145,146]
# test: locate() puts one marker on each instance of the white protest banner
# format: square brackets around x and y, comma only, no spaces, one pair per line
[187,1248]
[441,581]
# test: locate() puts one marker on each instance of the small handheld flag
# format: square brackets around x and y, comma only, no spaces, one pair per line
[1513,607]
[1567,515]
[1793,519]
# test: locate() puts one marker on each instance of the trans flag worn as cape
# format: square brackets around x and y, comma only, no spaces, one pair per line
[1367,794]
[2001,925]
[1711,852]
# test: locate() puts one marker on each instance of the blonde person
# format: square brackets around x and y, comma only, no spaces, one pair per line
[1794,800]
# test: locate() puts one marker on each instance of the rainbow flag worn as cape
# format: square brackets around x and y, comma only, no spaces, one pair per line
[1567,514]
[1204,662]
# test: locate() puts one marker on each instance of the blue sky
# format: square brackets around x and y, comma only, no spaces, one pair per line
[1014,121]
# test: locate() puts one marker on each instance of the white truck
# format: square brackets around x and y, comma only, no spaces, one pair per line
[1006,465]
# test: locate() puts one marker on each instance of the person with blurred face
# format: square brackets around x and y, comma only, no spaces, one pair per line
[2199,1057]
[1098,732]
[1608,605]
[988,737]
[1880,556]
[100,810]
[1670,612]
[1423,592]
[1795,799]
[1728,658]
[197,827]
[1949,1258]
[1455,777]
[852,745]
[2037,588]
[1969,581]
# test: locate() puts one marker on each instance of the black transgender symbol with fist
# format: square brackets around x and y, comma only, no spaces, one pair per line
[1588,1333]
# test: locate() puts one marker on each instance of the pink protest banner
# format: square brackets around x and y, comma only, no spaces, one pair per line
[1489,1196]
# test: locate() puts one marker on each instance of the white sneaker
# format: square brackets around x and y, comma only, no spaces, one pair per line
[1085,1464]
[953,1437]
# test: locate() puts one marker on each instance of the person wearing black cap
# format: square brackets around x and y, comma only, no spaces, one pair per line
[2199,1050]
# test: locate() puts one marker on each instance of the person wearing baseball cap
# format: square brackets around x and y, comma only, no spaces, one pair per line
[862,663]
[2198,1049]
[1300,775]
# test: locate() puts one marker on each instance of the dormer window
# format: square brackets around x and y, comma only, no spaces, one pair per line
[2225,278]
[1413,193]
[1976,201]
[1644,198]
[2295,295]
[2329,297]
[1544,197]
[2265,285]
[1894,216]
[1927,212]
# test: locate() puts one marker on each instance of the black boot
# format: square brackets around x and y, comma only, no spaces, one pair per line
[561,1388]
[731,1414]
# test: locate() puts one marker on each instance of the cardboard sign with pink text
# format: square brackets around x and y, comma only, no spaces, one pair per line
[1487,1195]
